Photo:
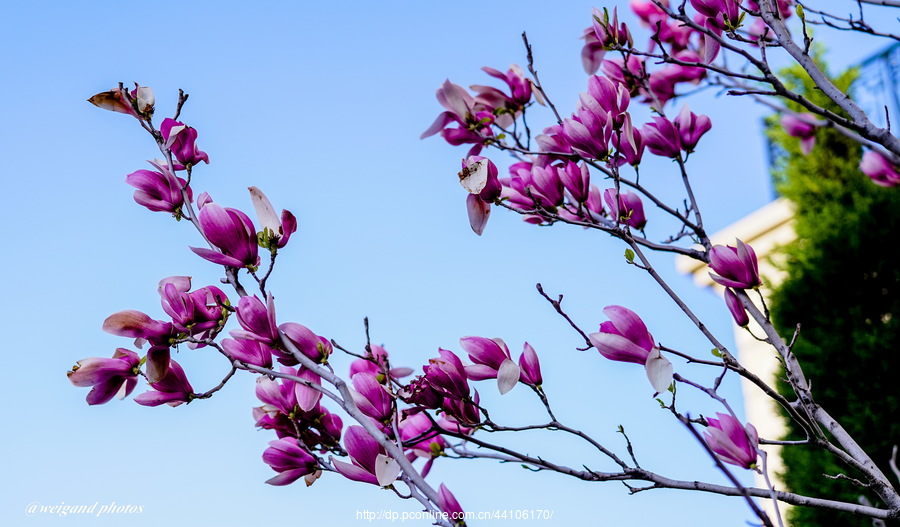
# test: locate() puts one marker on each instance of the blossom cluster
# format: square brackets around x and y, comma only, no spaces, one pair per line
[400,418]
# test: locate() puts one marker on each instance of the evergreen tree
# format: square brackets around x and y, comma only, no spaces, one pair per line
[843,288]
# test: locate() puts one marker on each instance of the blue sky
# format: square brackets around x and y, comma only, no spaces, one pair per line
[321,107]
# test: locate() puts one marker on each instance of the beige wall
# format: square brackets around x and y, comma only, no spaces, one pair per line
[765,230]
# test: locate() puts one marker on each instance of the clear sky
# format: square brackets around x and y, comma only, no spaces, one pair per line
[321,106]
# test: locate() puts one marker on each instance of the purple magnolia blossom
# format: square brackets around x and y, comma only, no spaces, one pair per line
[630,72]
[257,320]
[691,128]
[800,126]
[108,377]
[624,337]
[530,367]
[377,365]
[492,361]
[473,120]
[736,308]
[505,107]
[138,325]
[248,352]
[609,33]
[447,375]
[720,10]
[370,464]
[551,140]
[232,232]
[625,207]
[628,144]
[372,398]
[195,313]
[478,212]
[785,7]
[648,12]
[734,266]
[662,137]
[450,506]
[611,96]
[159,191]
[463,411]
[592,52]
[430,444]
[532,185]
[588,132]
[182,140]
[479,177]
[292,462]
[316,347]
[576,180]
[141,327]
[732,442]
[879,169]
[276,231]
[173,390]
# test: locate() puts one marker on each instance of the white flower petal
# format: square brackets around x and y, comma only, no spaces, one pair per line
[386,470]
[659,371]
[507,375]
[474,177]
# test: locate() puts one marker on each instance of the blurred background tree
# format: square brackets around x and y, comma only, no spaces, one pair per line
[843,288]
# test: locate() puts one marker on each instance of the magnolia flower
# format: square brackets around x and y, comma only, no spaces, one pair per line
[159,191]
[732,442]
[662,137]
[276,231]
[625,207]
[624,337]
[182,141]
[879,169]
[450,506]
[802,127]
[492,361]
[292,462]
[108,377]
[315,347]
[372,398]
[505,107]
[257,320]
[377,365]
[174,389]
[691,128]
[370,464]
[734,266]
[248,352]
[232,232]
[736,308]
[576,180]
[139,103]
[530,367]
[592,52]
[472,118]
[609,33]
[193,312]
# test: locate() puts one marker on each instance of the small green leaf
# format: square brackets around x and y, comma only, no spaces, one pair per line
[661,403]
[800,13]
[629,255]
[501,136]
[621,429]
[717,353]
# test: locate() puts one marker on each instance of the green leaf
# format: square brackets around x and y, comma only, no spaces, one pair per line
[717,353]
[800,14]
[629,255]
